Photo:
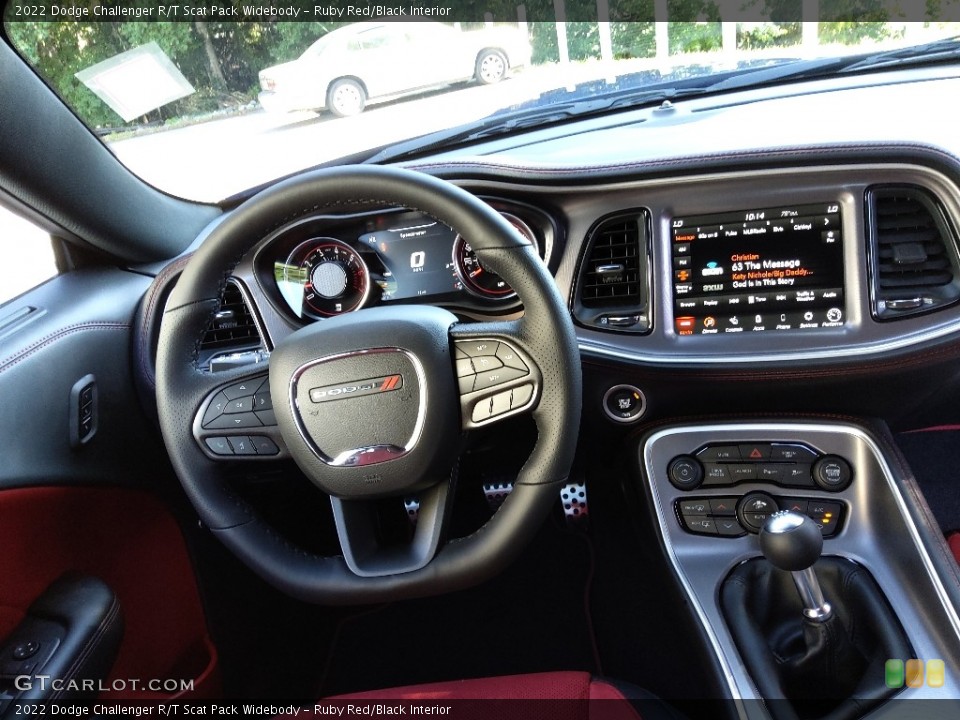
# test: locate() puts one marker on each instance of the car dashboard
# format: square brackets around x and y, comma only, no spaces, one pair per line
[787,265]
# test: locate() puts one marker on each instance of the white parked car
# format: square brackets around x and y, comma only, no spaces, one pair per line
[371,62]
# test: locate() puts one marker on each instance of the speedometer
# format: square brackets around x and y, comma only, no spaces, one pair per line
[331,275]
[477,279]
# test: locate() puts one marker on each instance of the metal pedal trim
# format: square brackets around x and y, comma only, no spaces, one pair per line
[573,497]
[496,493]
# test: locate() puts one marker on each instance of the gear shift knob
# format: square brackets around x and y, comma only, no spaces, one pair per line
[790,541]
[793,542]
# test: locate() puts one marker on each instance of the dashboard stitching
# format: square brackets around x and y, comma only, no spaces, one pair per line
[59,335]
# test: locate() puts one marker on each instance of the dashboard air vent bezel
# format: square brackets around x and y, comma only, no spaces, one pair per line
[621,239]
[918,236]
[226,331]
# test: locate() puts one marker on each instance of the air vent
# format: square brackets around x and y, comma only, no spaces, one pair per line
[611,272]
[233,325]
[914,253]
[612,283]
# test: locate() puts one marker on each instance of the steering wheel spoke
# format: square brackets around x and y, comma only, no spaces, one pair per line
[496,379]
[367,556]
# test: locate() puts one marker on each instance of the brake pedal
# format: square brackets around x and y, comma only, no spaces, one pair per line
[573,496]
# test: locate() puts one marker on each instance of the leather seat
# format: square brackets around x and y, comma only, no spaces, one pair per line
[560,696]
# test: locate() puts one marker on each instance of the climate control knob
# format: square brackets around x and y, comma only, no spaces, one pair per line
[754,508]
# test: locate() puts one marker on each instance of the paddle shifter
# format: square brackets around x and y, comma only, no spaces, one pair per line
[792,542]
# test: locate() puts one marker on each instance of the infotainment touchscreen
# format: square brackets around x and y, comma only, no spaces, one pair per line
[767,270]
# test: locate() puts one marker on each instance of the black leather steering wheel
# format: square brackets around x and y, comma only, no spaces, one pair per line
[372,403]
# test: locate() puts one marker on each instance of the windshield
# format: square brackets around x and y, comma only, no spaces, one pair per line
[208,99]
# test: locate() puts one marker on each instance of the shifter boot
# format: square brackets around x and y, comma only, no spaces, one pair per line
[807,669]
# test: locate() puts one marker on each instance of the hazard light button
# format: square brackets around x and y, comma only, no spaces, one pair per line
[755,451]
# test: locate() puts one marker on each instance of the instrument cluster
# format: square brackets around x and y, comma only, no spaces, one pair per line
[326,266]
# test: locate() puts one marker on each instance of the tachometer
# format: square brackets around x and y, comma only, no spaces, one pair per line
[477,279]
[332,277]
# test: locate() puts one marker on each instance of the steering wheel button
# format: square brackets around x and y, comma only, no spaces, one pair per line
[478,348]
[484,363]
[243,389]
[466,383]
[243,420]
[242,445]
[264,445]
[216,408]
[501,403]
[267,417]
[508,356]
[497,377]
[465,368]
[521,395]
[482,410]
[240,405]
[262,401]
[219,446]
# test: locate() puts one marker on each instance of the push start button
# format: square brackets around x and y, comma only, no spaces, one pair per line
[624,403]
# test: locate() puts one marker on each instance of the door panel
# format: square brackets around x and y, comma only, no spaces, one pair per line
[76,325]
[94,507]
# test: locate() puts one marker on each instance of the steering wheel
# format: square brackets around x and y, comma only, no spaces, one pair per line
[372,403]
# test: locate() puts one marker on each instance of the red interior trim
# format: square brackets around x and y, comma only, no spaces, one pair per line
[953,540]
[128,539]
[554,691]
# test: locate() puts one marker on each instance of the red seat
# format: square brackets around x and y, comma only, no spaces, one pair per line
[559,696]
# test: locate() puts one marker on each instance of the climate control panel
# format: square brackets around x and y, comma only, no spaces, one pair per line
[735,516]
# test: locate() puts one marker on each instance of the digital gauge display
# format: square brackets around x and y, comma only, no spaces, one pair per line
[416,256]
[764,270]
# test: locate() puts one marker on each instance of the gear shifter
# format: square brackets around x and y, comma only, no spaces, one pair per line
[793,542]
[810,658]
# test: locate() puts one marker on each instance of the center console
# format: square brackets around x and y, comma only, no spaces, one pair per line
[713,489]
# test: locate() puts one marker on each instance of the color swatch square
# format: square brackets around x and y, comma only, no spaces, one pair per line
[893,672]
[914,670]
